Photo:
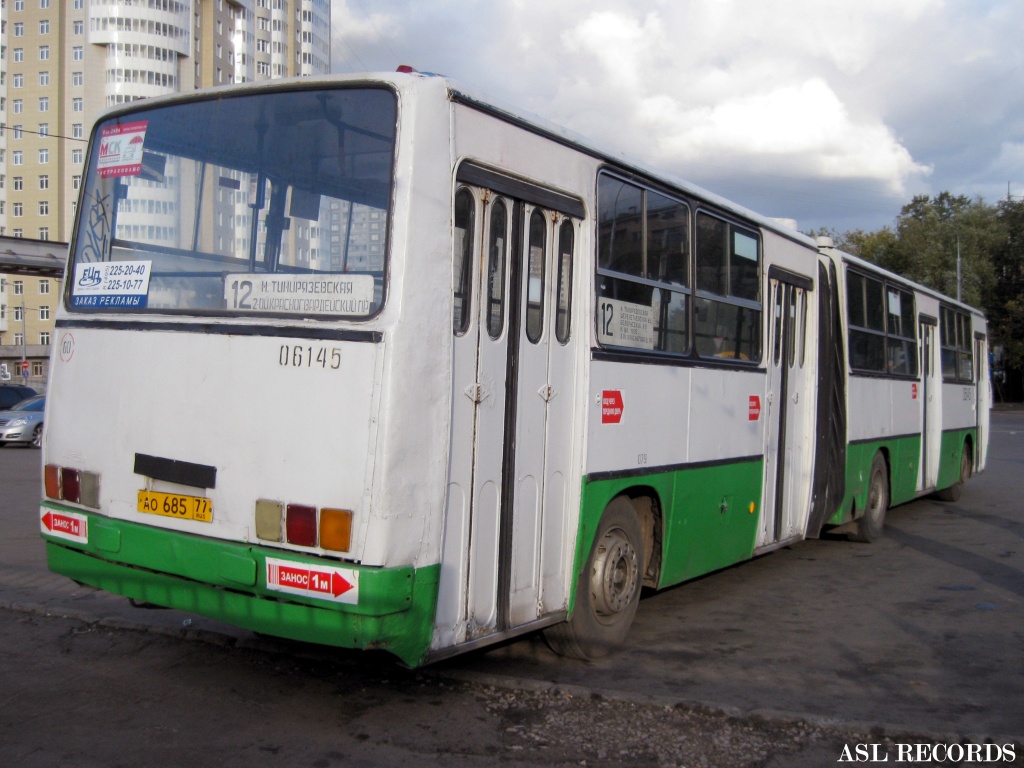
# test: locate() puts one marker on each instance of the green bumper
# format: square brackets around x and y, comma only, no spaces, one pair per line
[227,581]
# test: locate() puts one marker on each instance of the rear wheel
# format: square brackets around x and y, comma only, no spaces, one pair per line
[953,492]
[608,589]
[37,437]
[871,523]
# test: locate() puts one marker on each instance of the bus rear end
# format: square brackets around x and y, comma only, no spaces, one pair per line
[214,400]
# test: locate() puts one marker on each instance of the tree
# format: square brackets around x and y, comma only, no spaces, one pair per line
[1005,303]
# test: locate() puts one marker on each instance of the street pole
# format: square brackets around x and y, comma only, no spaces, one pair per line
[24,340]
[958,264]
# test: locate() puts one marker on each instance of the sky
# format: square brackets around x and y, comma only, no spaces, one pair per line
[834,113]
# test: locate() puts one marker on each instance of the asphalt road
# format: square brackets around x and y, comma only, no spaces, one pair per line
[921,632]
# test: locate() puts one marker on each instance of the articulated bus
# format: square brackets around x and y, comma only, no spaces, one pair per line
[374,362]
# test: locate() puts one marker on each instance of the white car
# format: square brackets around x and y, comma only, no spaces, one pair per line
[23,423]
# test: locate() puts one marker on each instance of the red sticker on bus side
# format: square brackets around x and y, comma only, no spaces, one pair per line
[754,408]
[611,406]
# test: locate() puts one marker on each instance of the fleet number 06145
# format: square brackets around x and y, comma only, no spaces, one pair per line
[308,356]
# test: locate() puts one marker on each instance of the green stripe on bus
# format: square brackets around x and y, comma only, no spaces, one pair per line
[903,457]
[205,576]
[710,515]
[950,454]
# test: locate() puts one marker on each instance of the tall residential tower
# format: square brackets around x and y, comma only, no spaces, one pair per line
[62,62]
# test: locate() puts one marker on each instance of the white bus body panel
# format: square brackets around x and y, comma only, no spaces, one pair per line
[301,433]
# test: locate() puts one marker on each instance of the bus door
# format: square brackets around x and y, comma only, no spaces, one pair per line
[791,401]
[931,404]
[983,398]
[504,559]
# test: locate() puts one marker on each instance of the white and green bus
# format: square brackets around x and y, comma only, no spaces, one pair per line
[373,362]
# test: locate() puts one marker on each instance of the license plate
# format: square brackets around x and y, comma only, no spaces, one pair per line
[176,505]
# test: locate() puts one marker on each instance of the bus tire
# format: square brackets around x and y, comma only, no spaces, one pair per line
[871,523]
[953,492]
[608,589]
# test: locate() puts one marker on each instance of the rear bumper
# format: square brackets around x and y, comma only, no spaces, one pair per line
[393,609]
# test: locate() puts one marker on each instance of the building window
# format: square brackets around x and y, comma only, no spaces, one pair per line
[77,78]
[44,182]
[77,53]
[44,103]
[44,207]
[44,313]
[19,29]
[19,54]
[19,338]
[76,131]
[16,131]
[44,288]
[44,26]
[18,183]
[17,210]
[79,27]
[77,104]
[76,156]
[18,81]
[37,365]
[44,129]
[76,182]
[44,156]
[18,313]
[19,287]
[44,233]
[17,106]
[44,53]
[44,78]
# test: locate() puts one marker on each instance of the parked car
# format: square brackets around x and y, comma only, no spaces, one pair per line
[23,423]
[12,394]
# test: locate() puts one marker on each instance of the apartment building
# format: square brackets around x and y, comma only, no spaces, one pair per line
[62,62]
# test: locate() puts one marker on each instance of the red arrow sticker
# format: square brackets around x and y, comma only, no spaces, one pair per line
[64,525]
[611,406]
[339,585]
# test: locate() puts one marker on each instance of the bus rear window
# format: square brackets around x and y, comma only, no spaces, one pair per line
[268,203]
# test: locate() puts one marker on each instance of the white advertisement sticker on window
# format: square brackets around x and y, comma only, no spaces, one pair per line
[111,284]
[300,294]
[623,324]
[121,149]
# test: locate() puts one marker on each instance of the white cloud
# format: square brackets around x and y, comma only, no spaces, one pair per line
[883,99]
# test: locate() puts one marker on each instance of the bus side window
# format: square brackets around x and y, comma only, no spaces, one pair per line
[535,277]
[643,243]
[566,236]
[955,341]
[497,247]
[728,321]
[462,255]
